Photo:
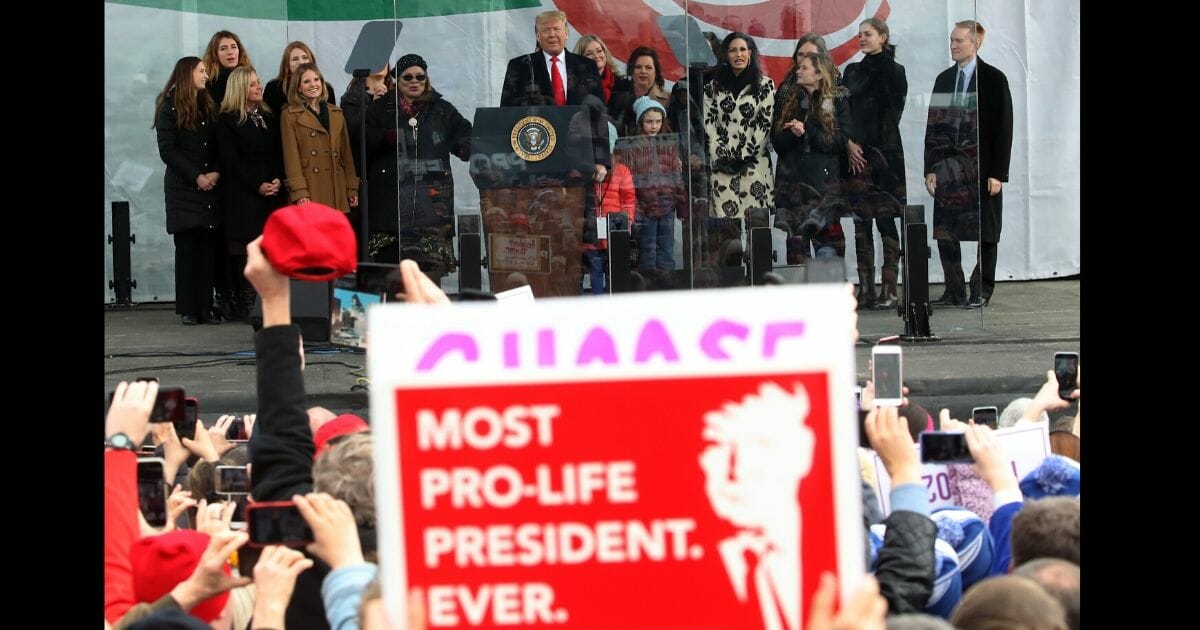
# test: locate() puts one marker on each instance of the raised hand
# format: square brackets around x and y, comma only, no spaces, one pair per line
[274,580]
[865,610]
[335,532]
[129,412]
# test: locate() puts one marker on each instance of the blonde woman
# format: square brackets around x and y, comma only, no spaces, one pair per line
[316,144]
[248,144]
[594,48]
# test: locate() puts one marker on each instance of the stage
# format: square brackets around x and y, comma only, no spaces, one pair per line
[982,359]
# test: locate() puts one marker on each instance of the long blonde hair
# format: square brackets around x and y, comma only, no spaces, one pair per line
[236,90]
[609,62]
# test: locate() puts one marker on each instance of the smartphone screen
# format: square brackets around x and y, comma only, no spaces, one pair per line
[168,404]
[239,511]
[232,480]
[939,447]
[236,431]
[1066,370]
[887,378]
[152,491]
[985,415]
[277,523]
[185,420]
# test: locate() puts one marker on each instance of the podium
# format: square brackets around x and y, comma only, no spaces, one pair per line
[533,167]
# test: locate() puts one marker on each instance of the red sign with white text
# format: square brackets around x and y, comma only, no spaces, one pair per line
[638,503]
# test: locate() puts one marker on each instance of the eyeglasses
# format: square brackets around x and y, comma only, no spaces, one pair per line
[413,77]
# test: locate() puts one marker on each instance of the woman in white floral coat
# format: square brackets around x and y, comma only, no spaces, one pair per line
[738,104]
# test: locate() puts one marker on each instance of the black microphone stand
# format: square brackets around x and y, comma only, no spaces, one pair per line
[363,233]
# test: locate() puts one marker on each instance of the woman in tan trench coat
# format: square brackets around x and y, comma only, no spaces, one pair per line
[316,145]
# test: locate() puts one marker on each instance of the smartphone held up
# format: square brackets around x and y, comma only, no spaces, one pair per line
[1066,370]
[886,365]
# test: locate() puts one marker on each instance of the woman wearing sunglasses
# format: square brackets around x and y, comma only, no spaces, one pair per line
[412,131]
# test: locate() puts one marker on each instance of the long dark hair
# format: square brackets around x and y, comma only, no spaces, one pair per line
[192,104]
[807,38]
[725,74]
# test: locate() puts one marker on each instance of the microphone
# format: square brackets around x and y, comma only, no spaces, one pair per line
[533,94]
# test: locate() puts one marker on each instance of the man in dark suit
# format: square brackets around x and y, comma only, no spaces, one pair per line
[968,144]
[552,76]
[577,78]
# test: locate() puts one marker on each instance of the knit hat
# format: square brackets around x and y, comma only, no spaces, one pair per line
[161,562]
[1057,476]
[410,60]
[947,580]
[344,424]
[310,242]
[645,103]
[968,534]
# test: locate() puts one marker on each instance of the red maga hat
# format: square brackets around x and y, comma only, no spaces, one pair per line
[310,242]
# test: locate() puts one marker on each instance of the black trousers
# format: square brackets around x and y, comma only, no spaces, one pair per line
[195,263]
[950,251]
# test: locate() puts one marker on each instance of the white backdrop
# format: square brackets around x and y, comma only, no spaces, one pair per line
[1035,43]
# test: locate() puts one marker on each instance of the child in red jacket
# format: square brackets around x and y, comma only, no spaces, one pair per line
[613,195]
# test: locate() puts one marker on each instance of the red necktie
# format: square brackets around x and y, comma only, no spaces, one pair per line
[753,605]
[556,80]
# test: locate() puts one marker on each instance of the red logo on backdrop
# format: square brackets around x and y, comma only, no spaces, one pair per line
[674,503]
[627,24]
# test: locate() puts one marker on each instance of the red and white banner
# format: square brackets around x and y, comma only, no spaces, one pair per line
[639,461]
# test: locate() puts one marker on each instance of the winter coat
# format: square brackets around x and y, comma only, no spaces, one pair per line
[188,153]
[250,156]
[319,163]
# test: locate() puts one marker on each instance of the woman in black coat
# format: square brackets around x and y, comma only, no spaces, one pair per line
[878,90]
[809,132]
[224,53]
[413,131]
[184,125]
[248,145]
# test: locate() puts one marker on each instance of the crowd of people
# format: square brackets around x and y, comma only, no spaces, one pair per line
[1005,555]
[835,137]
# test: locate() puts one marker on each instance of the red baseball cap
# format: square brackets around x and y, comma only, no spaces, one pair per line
[310,242]
[344,424]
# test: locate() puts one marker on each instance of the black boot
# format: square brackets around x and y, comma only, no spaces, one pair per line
[245,304]
[223,306]
[887,289]
[865,292]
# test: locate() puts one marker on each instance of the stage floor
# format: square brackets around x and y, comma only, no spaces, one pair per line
[986,358]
